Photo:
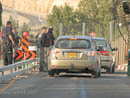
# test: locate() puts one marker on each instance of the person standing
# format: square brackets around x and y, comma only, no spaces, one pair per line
[44,50]
[8,44]
[16,38]
[17,41]
[50,35]
[42,45]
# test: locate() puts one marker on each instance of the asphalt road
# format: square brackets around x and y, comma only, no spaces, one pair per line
[70,86]
[34,19]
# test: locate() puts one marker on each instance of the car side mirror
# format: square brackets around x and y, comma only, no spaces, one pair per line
[114,49]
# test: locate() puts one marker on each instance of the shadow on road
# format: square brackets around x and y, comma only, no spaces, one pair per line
[104,75]
[120,73]
[74,76]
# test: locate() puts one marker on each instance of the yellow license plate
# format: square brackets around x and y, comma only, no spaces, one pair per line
[72,55]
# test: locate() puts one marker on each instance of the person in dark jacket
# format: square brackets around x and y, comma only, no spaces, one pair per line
[17,41]
[50,35]
[43,45]
[8,44]
[16,38]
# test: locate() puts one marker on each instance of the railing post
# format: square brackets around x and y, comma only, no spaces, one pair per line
[2,76]
[111,31]
[61,29]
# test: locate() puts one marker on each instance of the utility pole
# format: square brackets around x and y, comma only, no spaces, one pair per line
[83,30]
[128,71]
[111,31]
[61,29]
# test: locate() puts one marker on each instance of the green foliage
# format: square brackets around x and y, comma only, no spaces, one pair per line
[97,15]
[59,15]
[55,18]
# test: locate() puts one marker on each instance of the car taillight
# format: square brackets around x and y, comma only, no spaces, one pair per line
[104,53]
[53,66]
[91,53]
[54,52]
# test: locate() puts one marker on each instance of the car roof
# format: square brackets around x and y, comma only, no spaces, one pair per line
[72,36]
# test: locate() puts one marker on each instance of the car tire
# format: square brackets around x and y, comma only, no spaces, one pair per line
[109,70]
[95,74]
[51,73]
[57,73]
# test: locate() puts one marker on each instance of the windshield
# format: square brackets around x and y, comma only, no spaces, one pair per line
[101,43]
[73,44]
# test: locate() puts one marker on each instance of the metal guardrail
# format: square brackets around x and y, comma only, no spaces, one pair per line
[18,68]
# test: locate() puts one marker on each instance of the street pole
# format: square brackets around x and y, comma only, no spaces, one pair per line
[83,30]
[111,31]
[128,71]
[61,29]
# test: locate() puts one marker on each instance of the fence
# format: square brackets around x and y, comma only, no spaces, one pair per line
[17,69]
[121,41]
[122,52]
[115,34]
[84,28]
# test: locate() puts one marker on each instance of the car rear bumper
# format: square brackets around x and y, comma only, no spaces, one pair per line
[72,64]
[106,64]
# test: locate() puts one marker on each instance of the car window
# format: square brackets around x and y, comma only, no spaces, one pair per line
[73,44]
[101,43]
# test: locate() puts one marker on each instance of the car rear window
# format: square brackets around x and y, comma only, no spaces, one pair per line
[73,44]
[100,43]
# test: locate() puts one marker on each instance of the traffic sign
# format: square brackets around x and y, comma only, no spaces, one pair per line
[92,34]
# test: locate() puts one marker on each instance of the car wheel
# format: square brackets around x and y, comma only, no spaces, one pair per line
[109,70]
[51,73]
[95,74]
[57,73]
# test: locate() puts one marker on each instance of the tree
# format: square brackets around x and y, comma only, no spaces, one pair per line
[63,15]
[55,18]
[97,15]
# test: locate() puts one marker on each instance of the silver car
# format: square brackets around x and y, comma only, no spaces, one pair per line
[108,60]
[72,54]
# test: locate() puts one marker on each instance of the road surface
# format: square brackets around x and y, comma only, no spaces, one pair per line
[69,86]
[34,19]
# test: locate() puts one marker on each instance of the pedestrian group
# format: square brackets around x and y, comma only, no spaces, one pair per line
[11,41]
